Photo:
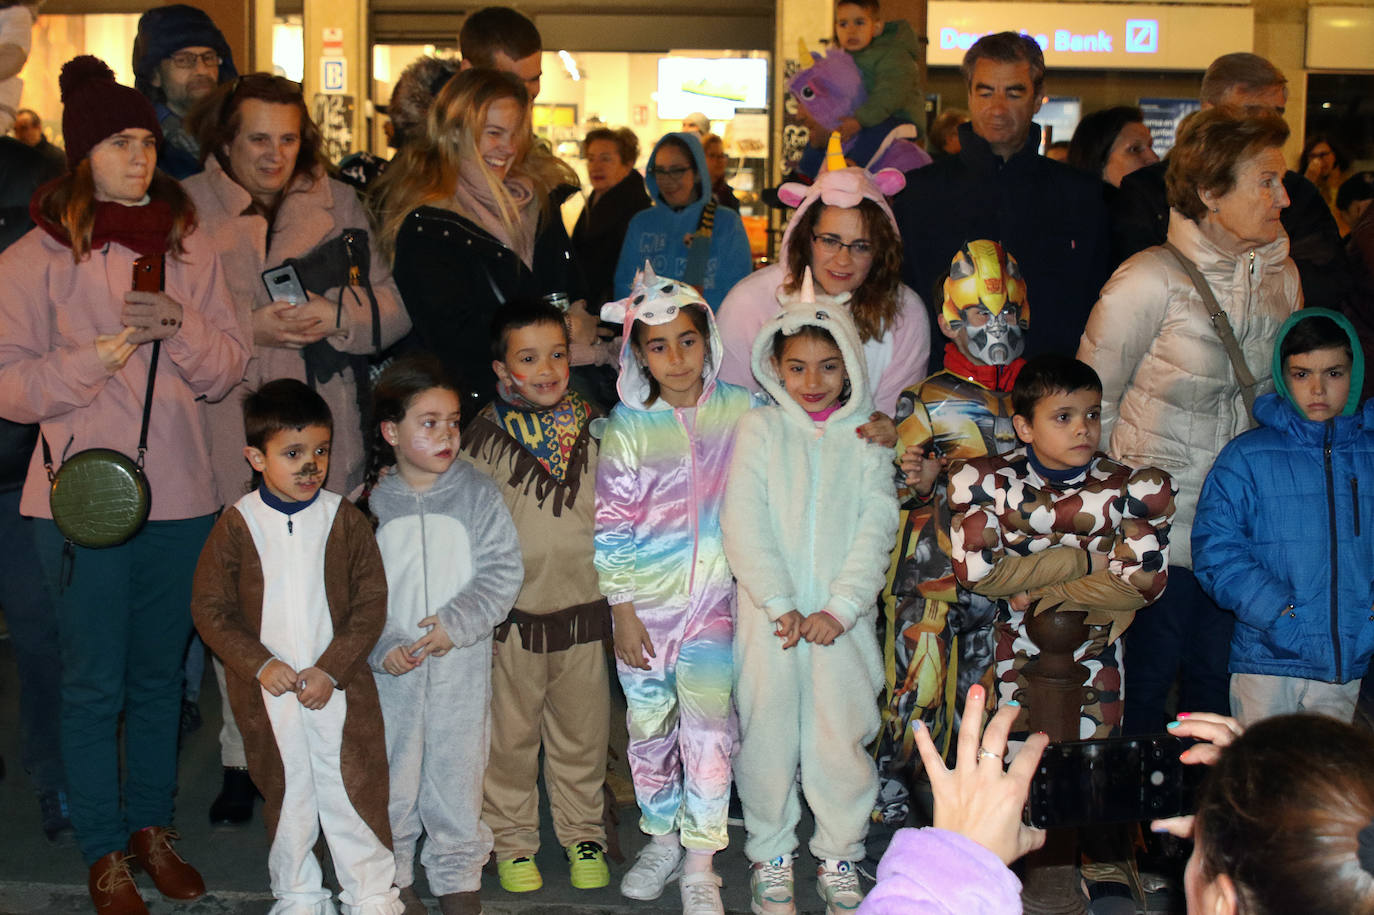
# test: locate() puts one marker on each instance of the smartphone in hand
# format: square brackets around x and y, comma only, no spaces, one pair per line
[1116,780]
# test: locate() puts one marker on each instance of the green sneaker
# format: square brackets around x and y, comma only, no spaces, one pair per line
[587,866]
[519,875]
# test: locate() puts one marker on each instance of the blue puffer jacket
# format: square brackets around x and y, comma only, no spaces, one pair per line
[659,235]
[1284,540]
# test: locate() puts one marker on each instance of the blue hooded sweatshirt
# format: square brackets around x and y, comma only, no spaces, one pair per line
[1283,538]
[659,235]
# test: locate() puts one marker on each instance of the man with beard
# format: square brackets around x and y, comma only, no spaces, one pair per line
[179,57]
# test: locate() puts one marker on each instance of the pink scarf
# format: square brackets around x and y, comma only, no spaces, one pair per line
[477,202]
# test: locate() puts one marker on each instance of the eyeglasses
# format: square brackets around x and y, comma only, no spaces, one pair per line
[675,173]
[831,244]
[187,60]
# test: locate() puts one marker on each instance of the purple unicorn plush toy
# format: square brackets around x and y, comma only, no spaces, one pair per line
[830,90]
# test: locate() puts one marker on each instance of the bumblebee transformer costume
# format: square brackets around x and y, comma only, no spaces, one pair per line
[938,638]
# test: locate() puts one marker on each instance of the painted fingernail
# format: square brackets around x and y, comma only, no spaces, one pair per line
[1012,702]
[1184,715]
[1173,724]
[919,725]
[1155,827]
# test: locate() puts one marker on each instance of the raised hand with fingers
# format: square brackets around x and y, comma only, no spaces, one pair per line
[1213,733]
[979,798]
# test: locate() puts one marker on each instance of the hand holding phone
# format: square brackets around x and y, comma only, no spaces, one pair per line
[284,285]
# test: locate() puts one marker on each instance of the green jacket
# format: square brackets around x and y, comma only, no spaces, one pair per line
[893,82]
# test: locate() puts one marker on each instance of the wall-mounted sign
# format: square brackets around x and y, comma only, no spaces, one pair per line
[1162,116]
[331,41]
[1339,37]
[334,75]
[1096,35]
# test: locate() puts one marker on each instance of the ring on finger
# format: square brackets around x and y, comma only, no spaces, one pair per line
[985,753]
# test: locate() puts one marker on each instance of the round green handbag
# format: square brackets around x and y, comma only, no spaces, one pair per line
[100,498]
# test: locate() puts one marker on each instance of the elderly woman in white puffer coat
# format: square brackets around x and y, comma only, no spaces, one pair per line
[1171,396]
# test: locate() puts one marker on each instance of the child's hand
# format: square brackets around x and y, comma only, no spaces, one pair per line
[314,688]
[849,127]
[277,677]
[631,638]
[434,643]
[1020,601]
[398,661]
[820,628]
[922,467]
[789,628]
[880,430]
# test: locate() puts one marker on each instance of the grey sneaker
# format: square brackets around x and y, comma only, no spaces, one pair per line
[655,867]
[770,887]
[837,882]
[701,894]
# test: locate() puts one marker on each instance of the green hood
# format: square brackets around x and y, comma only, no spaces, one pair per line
[1352,399]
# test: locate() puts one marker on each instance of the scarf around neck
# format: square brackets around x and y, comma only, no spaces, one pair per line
[476,200]
[140,228]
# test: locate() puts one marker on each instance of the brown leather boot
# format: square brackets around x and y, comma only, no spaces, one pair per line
[112,887]
[151,849]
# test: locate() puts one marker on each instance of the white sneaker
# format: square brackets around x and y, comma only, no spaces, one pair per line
[838,884]
[770,887]
[701,894]
[655,867]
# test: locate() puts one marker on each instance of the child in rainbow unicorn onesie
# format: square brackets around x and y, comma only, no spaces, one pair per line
[661,563]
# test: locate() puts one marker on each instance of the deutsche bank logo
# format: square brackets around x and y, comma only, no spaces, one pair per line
[1142,36]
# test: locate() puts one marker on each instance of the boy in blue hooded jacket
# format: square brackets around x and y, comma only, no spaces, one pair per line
[1282,538]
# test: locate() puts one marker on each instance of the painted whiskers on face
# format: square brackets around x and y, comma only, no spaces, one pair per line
[426,439]
[293,462]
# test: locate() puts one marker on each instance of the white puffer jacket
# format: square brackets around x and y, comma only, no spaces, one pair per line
[1170,398]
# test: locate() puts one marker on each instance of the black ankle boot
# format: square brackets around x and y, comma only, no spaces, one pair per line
[234,806]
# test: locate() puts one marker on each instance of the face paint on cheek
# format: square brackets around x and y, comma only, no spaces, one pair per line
[518,380]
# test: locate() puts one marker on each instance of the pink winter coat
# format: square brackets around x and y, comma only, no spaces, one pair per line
[50,315]
[314,209]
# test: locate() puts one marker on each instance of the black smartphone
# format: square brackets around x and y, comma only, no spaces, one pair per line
[283,285]
[1117,780]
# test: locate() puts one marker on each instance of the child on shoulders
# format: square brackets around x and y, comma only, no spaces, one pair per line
[453,569]
[885,53]
[809,519]
[1056,525]
[1282,538]
[291,594]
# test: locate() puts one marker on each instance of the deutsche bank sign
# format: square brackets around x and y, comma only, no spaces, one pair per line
[1128,36]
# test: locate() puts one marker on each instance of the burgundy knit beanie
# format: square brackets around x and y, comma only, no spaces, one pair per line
[96,107]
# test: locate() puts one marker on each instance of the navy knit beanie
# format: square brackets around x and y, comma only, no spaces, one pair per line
[164,30]
[94,107]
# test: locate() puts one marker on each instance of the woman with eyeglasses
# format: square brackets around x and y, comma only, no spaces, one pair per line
[844,231]
[685,234]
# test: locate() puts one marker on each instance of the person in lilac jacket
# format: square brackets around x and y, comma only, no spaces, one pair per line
[961,864]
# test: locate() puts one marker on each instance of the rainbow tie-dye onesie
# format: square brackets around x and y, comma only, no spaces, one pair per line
[659,488]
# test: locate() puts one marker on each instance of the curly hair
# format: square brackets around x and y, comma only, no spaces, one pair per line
[1211,145]
[875,304]
[625,140]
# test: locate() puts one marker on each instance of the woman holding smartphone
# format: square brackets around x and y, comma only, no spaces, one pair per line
[264,197]
[77,351]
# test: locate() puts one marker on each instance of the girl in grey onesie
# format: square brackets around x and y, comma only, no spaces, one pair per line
[453,569]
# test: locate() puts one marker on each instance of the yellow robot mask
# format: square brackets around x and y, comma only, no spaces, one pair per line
[985,296]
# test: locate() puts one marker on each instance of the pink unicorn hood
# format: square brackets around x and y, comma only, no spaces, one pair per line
[842,187]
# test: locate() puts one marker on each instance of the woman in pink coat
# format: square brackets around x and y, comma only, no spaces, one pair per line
[75,358]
